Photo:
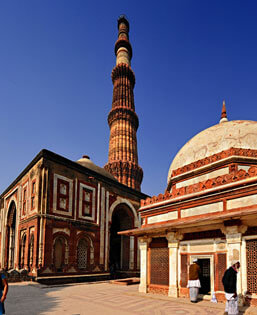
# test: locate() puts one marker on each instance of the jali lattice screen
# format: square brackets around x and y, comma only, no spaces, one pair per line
[251,256]
[159,266]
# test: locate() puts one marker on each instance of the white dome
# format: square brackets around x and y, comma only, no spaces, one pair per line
[220,137]
[86,162]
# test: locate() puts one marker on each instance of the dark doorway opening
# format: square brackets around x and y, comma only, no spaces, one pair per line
[205,277]
[10,237]
[122,220]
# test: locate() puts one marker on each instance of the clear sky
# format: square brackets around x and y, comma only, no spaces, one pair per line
[56,58]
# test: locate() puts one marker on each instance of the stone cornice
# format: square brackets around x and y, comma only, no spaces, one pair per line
[211,167]
[123,113]
[214,158]
[125,171]
[123,42]
[54,157]
[163,200]
[216,181]
[123,70]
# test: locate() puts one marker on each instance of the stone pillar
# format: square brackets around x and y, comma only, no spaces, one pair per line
[121,251]
[173,244]
[131,252]
[11,249]
[66,254]
[234,246]
[143,246]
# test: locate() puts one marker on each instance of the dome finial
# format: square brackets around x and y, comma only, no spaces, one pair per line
[223,113]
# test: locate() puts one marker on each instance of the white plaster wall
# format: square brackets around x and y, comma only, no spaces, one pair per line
[242,202]
[210,208]
[163,217]
[197,248]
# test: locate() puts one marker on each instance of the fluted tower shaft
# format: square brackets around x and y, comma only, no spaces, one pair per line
[122,119]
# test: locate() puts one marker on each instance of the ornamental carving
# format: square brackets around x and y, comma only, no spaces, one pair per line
[127,173]
[123,70]
[204,185]
[215,158]
[120,113]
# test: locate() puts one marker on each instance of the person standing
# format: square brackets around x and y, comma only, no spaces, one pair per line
[194,282]
[229,281]
[3,292]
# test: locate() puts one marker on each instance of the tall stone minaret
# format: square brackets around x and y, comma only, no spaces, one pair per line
[122,119]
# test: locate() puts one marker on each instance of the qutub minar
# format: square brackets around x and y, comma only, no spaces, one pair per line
[122,119]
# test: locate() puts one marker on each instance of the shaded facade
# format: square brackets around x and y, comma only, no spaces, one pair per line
[208,212]
[62,217]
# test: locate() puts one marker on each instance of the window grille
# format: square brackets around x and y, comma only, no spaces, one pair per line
[159,266]
[82,254]
[251,257]
[221,268]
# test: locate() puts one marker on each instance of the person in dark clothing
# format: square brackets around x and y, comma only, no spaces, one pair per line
[3,292]
[229,281]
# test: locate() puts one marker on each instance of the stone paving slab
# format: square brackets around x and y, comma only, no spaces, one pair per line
[100,298]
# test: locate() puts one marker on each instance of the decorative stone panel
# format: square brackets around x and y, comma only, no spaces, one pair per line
[62,195]
[87,200]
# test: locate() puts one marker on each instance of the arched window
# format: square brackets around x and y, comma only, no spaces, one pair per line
[31,250]
[22,250]
[59,253]
[10,235]
[82,254]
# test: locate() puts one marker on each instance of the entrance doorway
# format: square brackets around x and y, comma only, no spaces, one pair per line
[122,219]
[205,277]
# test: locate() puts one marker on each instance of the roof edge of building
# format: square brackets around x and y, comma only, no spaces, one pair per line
[44,153]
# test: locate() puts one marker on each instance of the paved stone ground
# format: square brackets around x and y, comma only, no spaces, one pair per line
[99,298]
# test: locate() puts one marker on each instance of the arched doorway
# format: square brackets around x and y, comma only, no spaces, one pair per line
[10,236]
[122,219]
[59,253]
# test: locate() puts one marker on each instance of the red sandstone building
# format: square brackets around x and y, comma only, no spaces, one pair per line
[208,212]
[61,217]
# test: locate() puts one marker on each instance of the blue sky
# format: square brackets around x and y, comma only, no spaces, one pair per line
[56,58]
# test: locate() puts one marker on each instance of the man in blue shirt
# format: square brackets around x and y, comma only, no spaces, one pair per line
[3,292]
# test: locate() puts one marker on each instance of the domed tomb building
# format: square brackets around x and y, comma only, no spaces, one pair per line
[208,212]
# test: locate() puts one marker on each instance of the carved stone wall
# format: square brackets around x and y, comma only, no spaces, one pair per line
[122,119]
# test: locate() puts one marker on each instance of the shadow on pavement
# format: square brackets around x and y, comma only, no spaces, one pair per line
[30,298]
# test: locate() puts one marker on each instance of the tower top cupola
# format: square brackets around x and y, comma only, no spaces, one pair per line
[123,48]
